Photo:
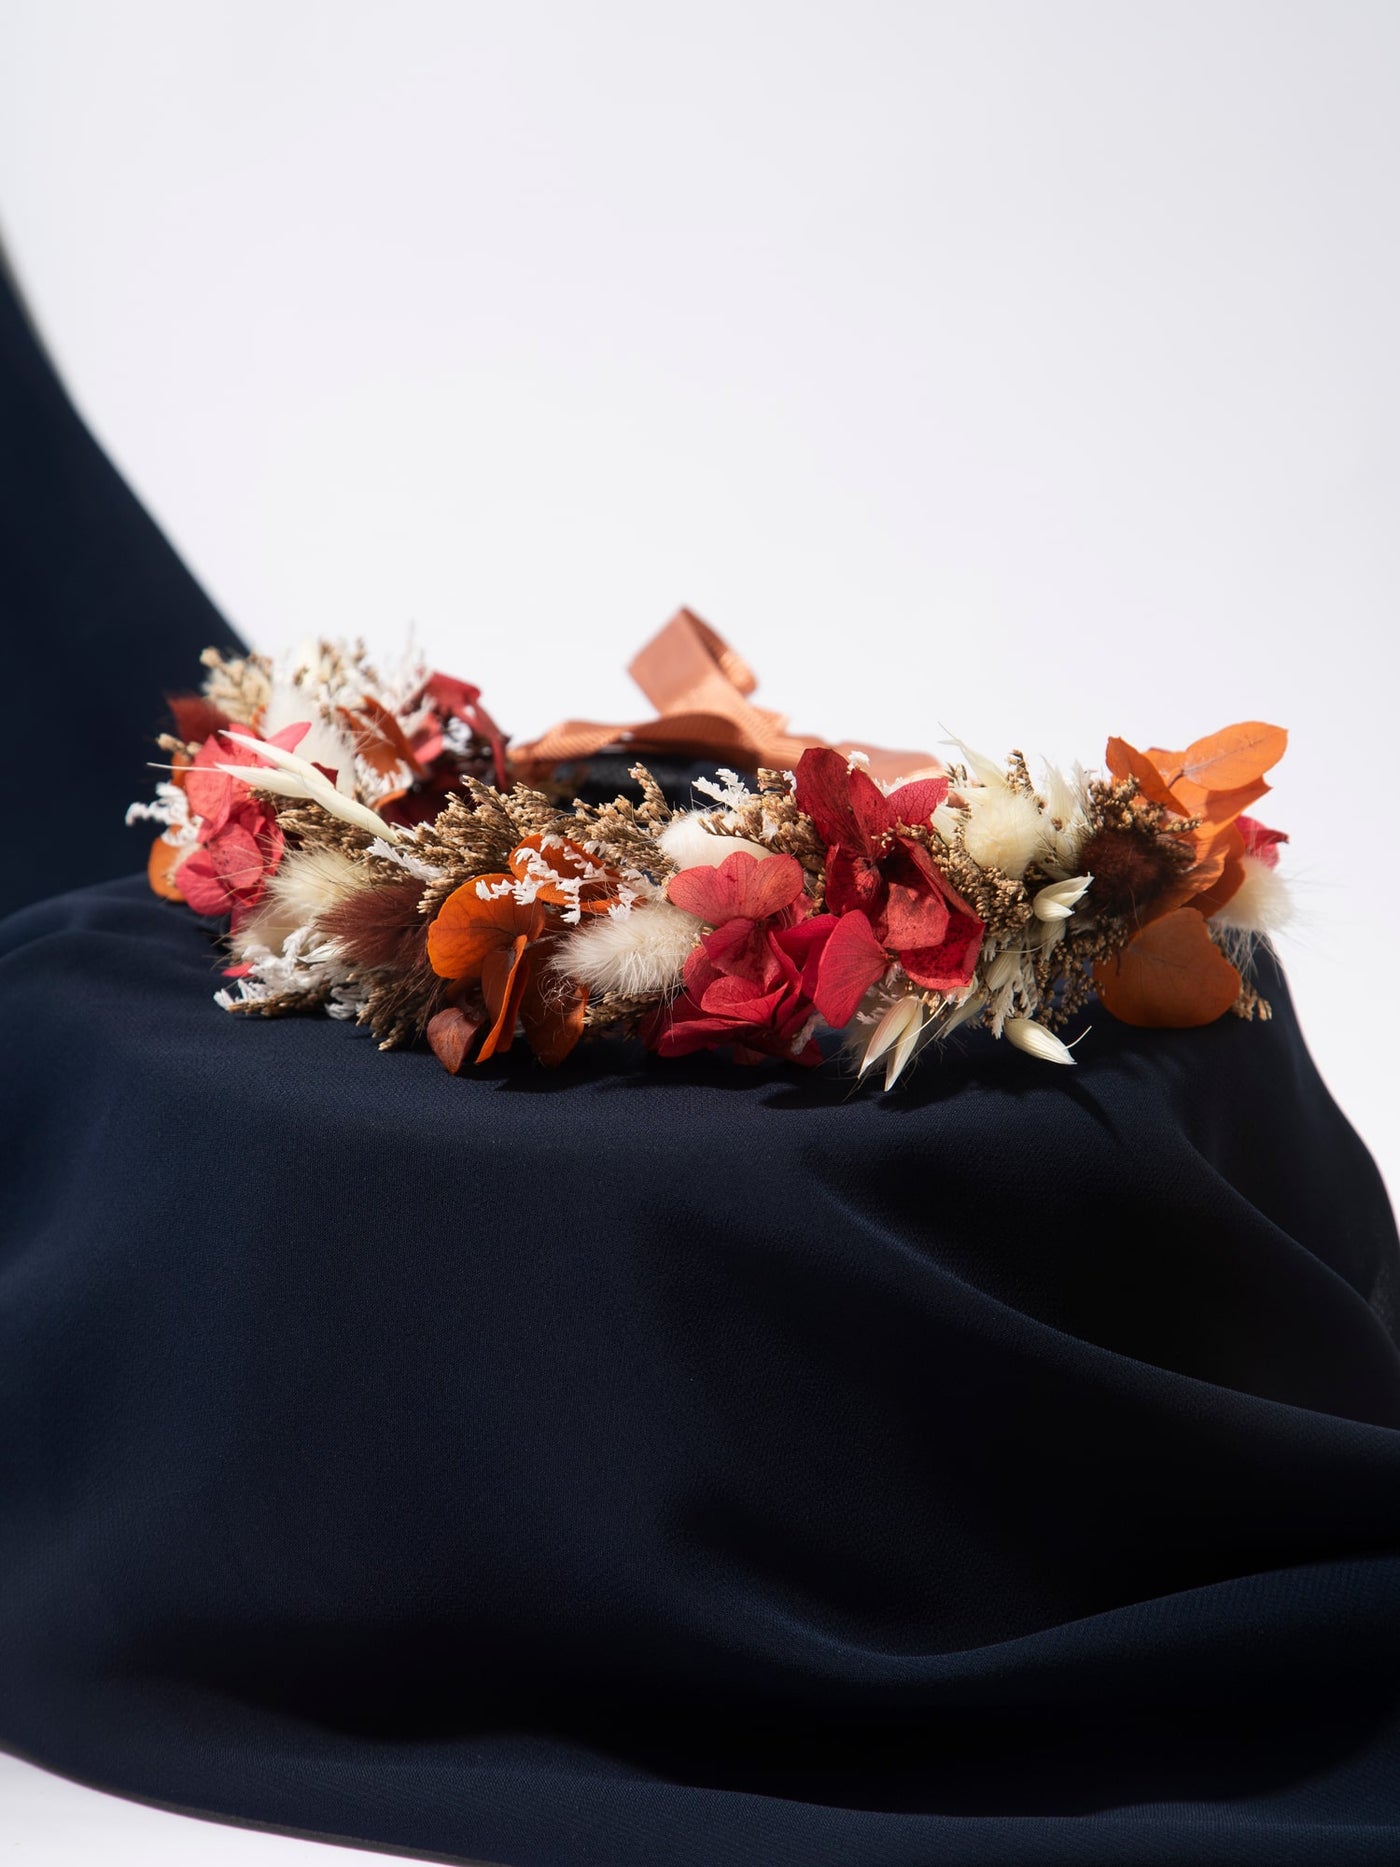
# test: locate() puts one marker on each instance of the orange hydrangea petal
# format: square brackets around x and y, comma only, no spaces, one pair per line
[552,1012]
[1211,900]
[468,927]
[1212,844]
[505,974]
[1125,761]
[1171,974]
[379,739]
[569,861]
[450,1035]
[161,865]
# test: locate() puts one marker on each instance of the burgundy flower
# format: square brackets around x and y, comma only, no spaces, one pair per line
[889,895]
[750,981]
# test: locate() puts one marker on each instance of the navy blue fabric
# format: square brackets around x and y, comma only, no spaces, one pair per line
[95,608]
[654,1463]
[661,1462]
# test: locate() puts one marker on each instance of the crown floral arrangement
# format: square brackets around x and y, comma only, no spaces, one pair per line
[381,853]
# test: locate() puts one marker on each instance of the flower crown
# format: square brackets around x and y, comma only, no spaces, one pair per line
[381,852]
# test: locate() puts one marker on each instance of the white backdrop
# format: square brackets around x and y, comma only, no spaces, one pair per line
[1025,370]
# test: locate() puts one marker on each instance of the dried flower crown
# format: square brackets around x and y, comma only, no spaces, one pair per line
[380,852]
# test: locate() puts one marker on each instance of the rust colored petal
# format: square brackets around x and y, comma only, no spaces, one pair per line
[570,862]
[161,865]
[1219,807]
[1125,761]
[552,1013]
[1234,757]
[505,973]
[450,1034]
[379,739]
[1210,900]
[1171,974]
[469,926]
[195,717]
[1213,845]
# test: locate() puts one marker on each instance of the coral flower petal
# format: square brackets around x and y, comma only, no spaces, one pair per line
[200,885]
[743,887]
[915,917]
[851,961]
[237,858]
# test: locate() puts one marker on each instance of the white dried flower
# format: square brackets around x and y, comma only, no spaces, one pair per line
[1058,901]
[306,884]
[1262,904]
[171,807]
[1066,800]
[946,822]
[904,1049]
[303,964]
[639,952]
[1004,970]
[731,791]
[1004,829]
[904,1014]
[323,742]
[962,1014]
[985,770]
[294,777]
[1037,1041]
[691,846]
[402,858]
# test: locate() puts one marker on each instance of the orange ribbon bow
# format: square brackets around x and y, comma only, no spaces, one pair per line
[700,689]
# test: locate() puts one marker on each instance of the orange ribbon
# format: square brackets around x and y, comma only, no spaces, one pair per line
[700,689]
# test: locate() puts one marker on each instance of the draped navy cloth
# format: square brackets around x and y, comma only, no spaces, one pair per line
[94,606]
[667,1462]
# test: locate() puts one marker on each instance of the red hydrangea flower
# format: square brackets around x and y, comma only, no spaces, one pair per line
[240,843]
[750,981]
[890,897]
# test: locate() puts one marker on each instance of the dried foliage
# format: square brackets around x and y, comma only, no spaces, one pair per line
[984,895]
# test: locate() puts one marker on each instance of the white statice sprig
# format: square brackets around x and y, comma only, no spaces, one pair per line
[304,964]
[170,806]
[404,859]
